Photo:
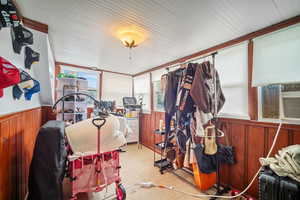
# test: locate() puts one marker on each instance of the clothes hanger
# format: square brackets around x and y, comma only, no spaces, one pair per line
[211,126]
[183,66]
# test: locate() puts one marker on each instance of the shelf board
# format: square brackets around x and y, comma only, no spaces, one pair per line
[73,113]
[157,131]
[163,163]
[161,145]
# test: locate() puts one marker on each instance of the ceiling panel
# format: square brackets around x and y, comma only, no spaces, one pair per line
[81,32]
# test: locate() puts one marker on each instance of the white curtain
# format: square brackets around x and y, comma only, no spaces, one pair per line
[142,89]
[115,87]
[232,66]
[277,57]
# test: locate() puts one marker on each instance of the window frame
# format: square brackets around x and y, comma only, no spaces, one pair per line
[273,120]
[148,93]
[97,73]
[155,109]
[242,85]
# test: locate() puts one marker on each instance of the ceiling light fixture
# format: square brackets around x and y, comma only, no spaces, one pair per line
[131,36]
[131,39]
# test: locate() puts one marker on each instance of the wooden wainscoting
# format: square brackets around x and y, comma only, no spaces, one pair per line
[47,114]
[17,138]
[148,123]
[251,140]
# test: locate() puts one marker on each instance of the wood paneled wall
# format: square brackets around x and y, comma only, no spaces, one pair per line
[17,138]
[47,114]
[251,140]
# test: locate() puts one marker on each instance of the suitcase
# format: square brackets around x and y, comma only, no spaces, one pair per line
[290,189]
[268,186]
[274,187]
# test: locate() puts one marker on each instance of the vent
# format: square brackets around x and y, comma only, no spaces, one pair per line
[290,102]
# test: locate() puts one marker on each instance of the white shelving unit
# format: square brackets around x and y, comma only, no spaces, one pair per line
[73,108]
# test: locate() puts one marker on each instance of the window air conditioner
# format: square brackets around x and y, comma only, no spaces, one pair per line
[290,102]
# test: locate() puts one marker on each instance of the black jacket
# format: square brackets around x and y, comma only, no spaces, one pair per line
[47,167]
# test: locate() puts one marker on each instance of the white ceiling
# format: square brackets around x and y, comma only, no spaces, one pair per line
[81,30]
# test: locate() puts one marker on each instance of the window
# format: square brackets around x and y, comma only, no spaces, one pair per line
[142,91]
[276,73]
[115,87]
[158,94]
[92,78]
[276,57]
[232,66]
[280,101]
[158,97]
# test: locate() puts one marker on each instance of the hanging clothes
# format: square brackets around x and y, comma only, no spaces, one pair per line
[171,91]
[184,99]
[173,79]
[163,82]
[201,119]
[202,90]
[185,106]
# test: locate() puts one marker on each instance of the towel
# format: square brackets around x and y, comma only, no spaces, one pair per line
[286,162]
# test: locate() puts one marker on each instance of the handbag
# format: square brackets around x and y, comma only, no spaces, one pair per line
[206,163]
[206,151]
[9,75]
[210,145]
[226,152]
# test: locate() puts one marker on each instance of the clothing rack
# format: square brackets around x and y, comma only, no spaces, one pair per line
[194,59]
[220,191]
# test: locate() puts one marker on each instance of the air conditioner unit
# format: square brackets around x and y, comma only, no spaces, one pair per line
[290,102]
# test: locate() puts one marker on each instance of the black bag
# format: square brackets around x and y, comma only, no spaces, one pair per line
[226,154]
[206,163]
[8,14]
[20,37]
[47,168]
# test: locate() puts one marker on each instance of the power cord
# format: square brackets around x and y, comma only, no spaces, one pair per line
[149,185]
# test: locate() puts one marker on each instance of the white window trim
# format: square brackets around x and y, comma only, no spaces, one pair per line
[158,110]
[270,120]
[232,115]
[238,84]
[76,69]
